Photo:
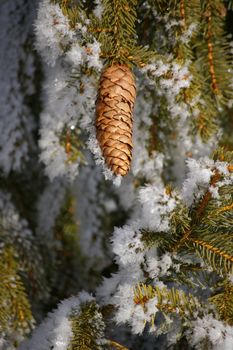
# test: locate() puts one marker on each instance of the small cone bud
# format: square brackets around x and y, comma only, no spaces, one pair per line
[114,117]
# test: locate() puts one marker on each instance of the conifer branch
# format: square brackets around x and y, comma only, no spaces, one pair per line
[214,255]
[169,301]
[15,308]
[87,328]
[223,302]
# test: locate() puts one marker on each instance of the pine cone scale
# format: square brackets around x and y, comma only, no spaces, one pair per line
[114,119]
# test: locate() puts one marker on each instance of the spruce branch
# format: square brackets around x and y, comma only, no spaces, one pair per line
[219,259]
[223,301]
[87,328]
[15,308]
[169,301]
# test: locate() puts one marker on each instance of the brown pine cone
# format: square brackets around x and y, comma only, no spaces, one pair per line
[114,118]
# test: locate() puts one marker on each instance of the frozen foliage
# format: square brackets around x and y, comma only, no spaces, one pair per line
[55,331]
[16,83]
[156,205]
[60,114]
[127,245]
[70,94]
[179,78]
[73,62]
[52,30]
[219,335]
[10,221]
[199,175]
[137,263]
[134,259]
[94,147]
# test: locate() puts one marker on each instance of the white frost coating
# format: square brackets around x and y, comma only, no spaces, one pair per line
[156,207]
[198,178]
[188,33]
[219,334]
[130,275]
[75,54]
[52,31]
[64,107]
[11,221]
[129,312]
[94,147]
[55,332]
[98,9]
[17,73]
[124,300]
[67,105]
[179,78]
[158,266]
[127,245]
[93,59]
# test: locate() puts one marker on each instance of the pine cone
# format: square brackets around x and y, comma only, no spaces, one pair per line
[114,118]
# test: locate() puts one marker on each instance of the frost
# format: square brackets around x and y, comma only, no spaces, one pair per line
[98,9]
[11,221]
[127,245]
[55,332]
[198,178]
[219,335]
[17,75]
[69,102]
[156,207]
[52,30]
[157,267]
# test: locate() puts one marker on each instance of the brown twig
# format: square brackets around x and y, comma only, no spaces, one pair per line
[182,13]
[209,34]
[116,345]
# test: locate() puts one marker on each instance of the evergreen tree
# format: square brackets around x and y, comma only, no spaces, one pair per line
[116,191]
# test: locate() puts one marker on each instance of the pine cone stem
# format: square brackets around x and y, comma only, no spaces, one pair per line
[114,117]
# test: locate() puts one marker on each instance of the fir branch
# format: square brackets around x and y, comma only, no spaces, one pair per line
[87,328]
[119,38]
[72,10]
[223,301]
[169,301]
[15,308]
[217,258]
